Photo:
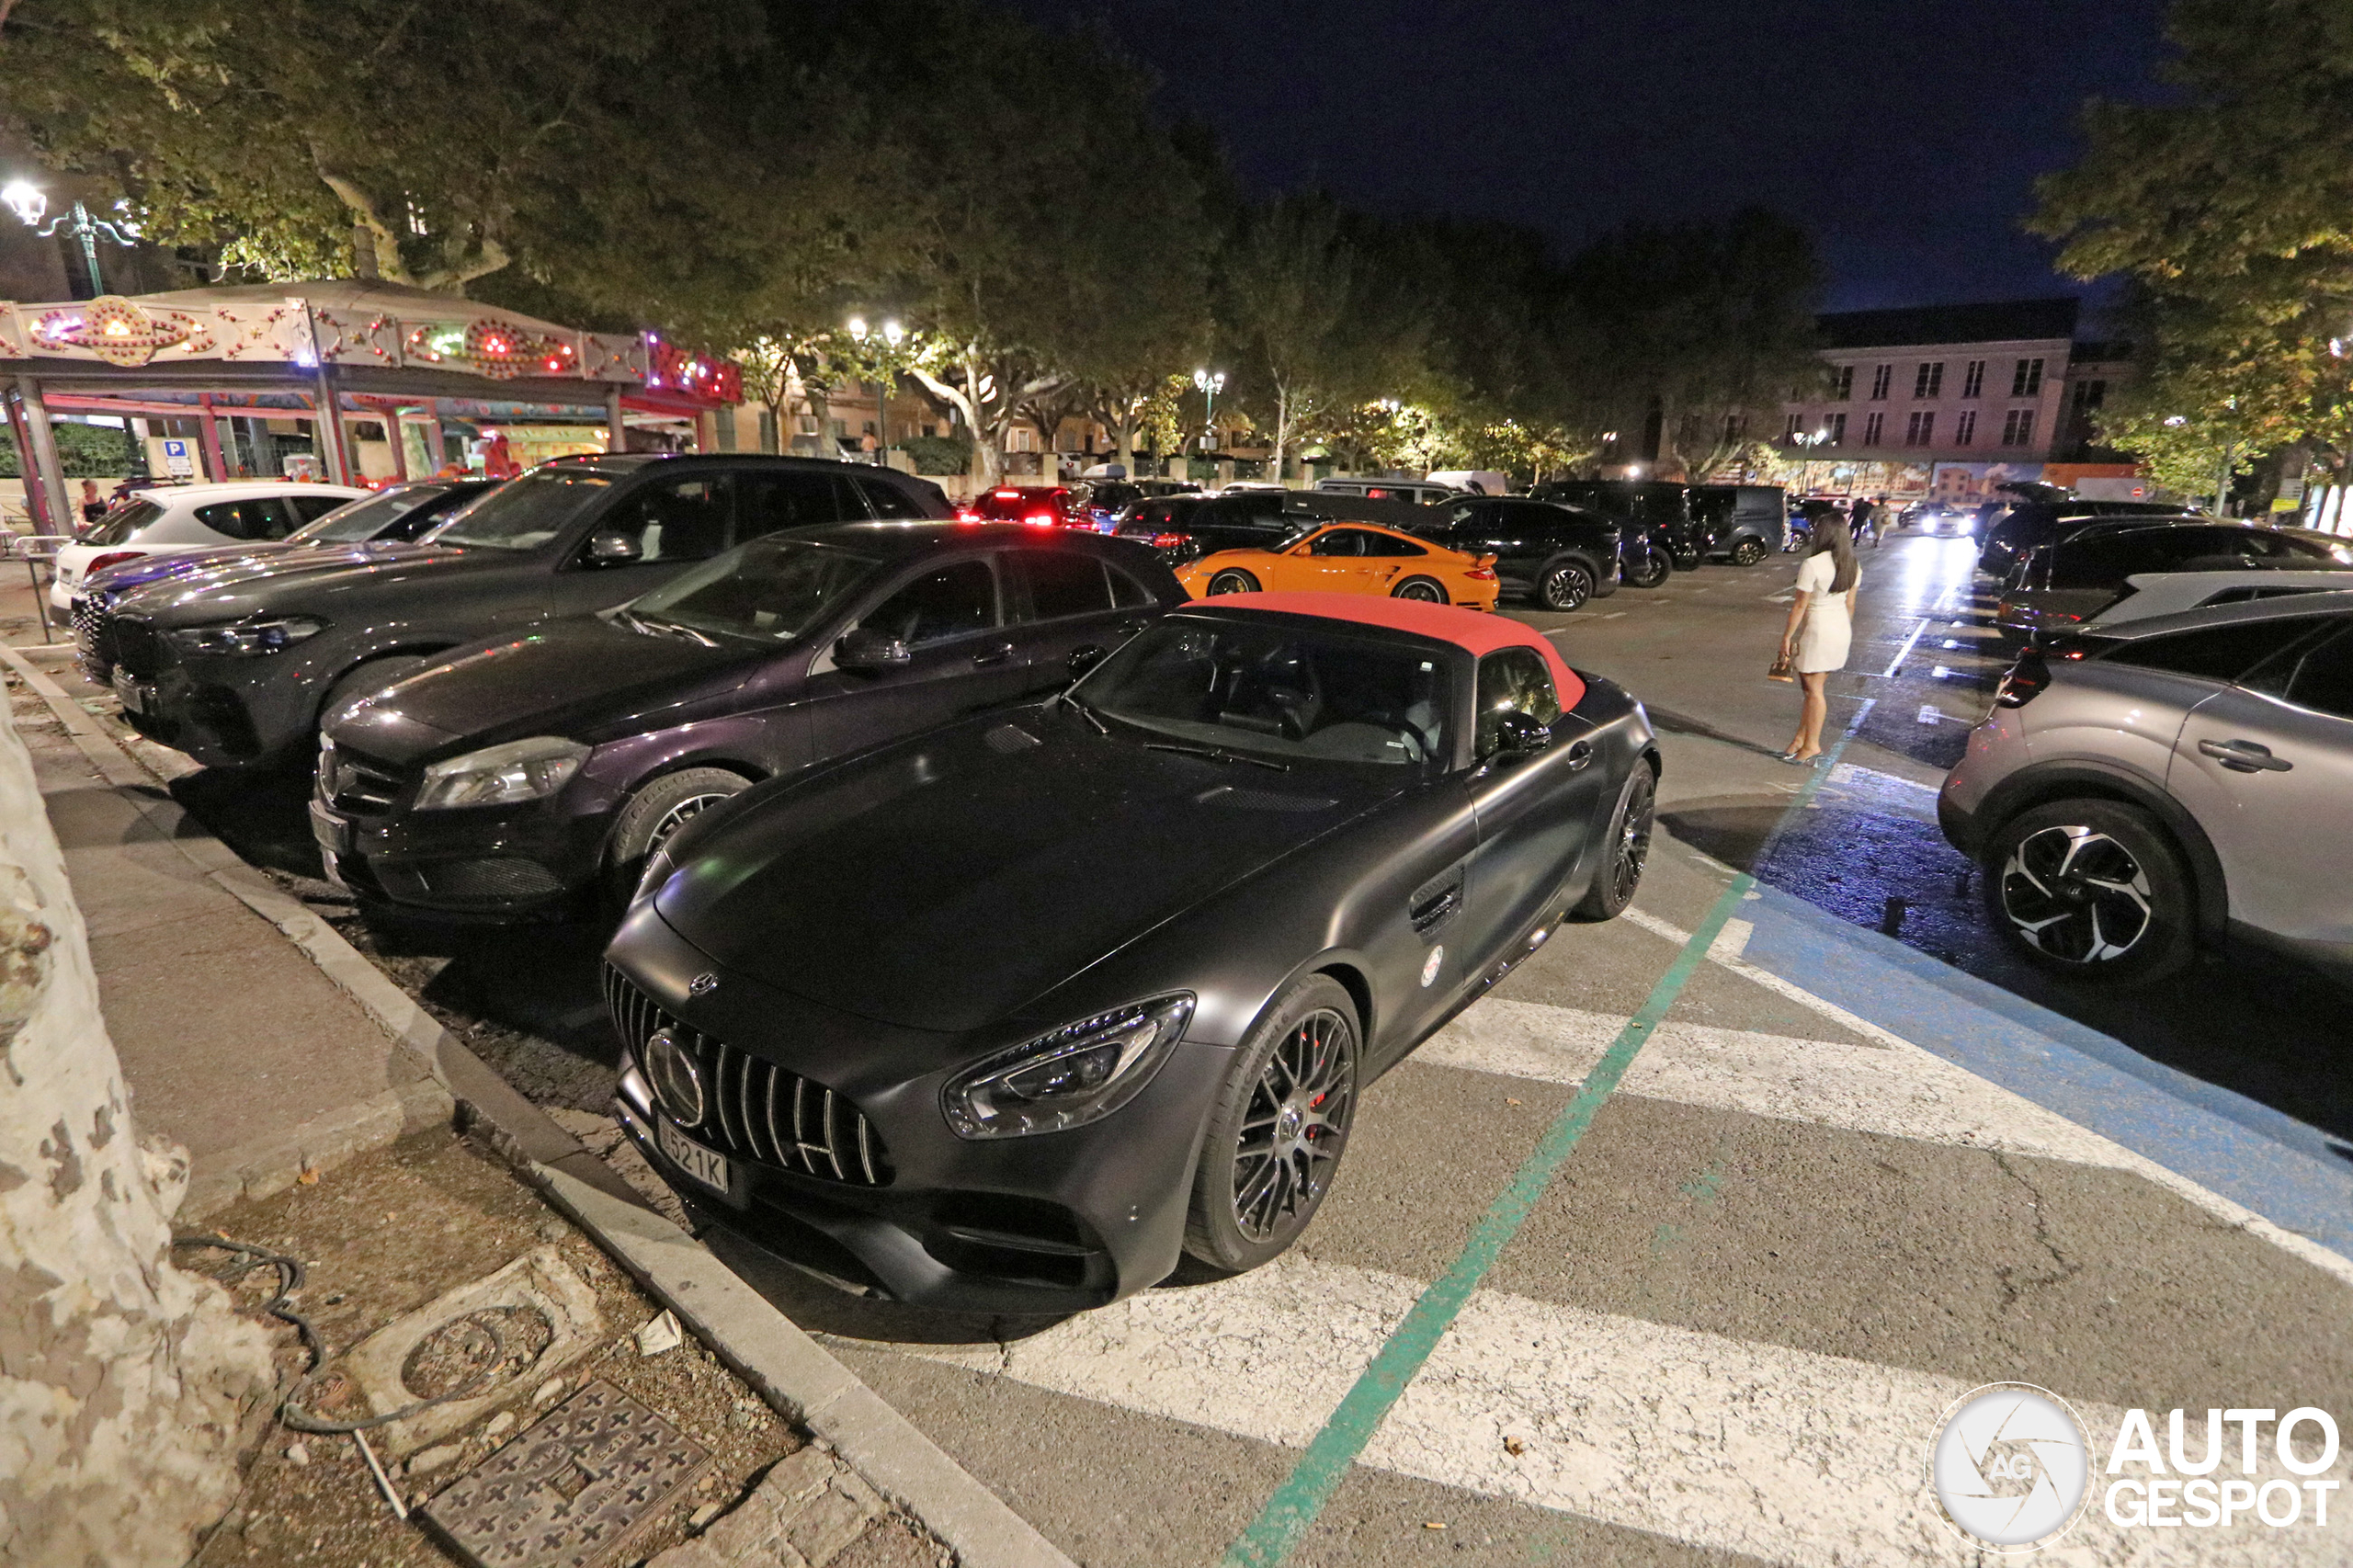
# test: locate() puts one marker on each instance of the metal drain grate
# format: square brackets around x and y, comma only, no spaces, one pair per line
[571,1489]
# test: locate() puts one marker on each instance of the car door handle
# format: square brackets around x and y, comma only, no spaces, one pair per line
[993,655]
[1580,754]
[2244,757]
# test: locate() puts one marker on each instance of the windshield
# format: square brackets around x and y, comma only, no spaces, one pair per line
[524,513]
[368,518]
[120,525]
[1279,691]
[773,589]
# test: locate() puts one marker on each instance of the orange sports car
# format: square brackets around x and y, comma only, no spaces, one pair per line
[1350,558]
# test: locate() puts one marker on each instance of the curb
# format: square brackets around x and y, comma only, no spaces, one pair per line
[746,1331]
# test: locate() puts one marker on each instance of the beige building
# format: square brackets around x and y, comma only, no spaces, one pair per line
[1947,400]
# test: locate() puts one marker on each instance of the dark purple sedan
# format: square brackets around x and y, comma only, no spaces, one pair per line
[531,776]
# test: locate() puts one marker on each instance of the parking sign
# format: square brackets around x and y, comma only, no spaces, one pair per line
[176,461]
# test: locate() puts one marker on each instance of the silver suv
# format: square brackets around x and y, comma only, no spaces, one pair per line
[2135,796]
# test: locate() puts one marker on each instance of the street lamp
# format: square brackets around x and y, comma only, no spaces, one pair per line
[27,202]
[1211,382]
[892,334]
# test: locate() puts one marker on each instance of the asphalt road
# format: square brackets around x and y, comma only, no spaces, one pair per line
[1724,1326]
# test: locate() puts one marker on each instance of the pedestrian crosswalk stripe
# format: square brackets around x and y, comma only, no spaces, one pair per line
[1901,1091]
[1784,1454]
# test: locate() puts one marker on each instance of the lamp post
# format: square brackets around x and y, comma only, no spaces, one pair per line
[1809,439]
[892,334]
[1211,382]
[27,202]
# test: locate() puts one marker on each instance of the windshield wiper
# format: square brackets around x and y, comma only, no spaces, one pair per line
[1217,754]
[648,626]
[1083,711]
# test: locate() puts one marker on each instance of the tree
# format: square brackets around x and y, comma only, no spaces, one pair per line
[1312,342]
[2229,203]
[1700,327]
[124,1380]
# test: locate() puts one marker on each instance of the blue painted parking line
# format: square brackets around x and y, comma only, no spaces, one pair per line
[2288,1172]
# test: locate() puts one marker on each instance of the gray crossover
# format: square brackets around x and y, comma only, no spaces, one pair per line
[2189,777]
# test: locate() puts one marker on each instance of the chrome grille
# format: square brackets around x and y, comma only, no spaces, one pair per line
[755,1108]
[357,784]
[93,636]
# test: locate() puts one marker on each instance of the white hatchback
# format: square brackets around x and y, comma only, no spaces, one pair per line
[174,519]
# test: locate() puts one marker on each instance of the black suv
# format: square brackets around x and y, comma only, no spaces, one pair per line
[2032,523]
[239,669]
[1654,516]
[1558,555]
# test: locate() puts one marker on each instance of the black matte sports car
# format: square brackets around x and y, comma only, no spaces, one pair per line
[1003,1016]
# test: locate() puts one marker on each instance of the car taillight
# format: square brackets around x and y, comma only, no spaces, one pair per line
[1481,574]
[1167,541]
[1040,519]
[966,514]
[2026,680]
[111,558]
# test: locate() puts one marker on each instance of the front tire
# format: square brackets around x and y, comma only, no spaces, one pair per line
[1653,569]
[1421,590]
[2092,891]
[659,810]
[1748,552]
[1619,876]
[1232,580]
[1564,586]
[1279,1129]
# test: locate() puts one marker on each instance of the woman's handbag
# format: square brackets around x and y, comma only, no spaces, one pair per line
[1780,670]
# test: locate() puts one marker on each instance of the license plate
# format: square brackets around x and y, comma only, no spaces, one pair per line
[134,696]
[706,1166]
[331,832]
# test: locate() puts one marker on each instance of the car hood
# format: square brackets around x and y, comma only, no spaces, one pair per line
[318,575]
[576,678]
[943,882]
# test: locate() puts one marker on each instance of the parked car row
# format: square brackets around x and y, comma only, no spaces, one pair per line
[996,923]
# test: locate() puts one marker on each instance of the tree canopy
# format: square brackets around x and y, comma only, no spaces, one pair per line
[748,174]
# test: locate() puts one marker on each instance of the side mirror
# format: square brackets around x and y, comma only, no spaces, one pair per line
[1085,659]
[1519,735]
[870,651]
[612,548]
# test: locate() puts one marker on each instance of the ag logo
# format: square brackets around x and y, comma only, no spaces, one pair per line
[2010,1467]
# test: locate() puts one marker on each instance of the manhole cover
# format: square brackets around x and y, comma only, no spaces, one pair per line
[572,1488]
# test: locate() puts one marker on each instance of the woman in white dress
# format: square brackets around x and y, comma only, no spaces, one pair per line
[1822,624]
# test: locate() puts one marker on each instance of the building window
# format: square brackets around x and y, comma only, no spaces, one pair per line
[2090,396]
[1842,383]
[1735,428]
[2018,427]
[841,430]
[1882,375]
[2027,380]
[725,420]
[1838,427]
[808,424]
[1873,425]
[1965,429]
[1790,432]
[1919,429]
[1931,379]
[1973,380]
[767,431]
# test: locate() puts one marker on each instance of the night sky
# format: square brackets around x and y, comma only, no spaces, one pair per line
[1906,135]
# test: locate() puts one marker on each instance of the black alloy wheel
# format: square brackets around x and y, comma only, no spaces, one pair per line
[2092,890]
[1278,1130]
[1232,580]
[1748,552]
[1647,571]
[1421,590]
[1564,586]
[1629,849]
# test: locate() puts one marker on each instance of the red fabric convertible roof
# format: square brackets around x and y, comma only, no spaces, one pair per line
[1468,629]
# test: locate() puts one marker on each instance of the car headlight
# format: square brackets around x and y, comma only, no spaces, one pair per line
[497,776]
[242,638]
[1081,1073]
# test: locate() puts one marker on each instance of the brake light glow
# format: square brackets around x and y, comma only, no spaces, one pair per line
[1039,519]
[1481,574]
[1167,541]
[1007,495]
